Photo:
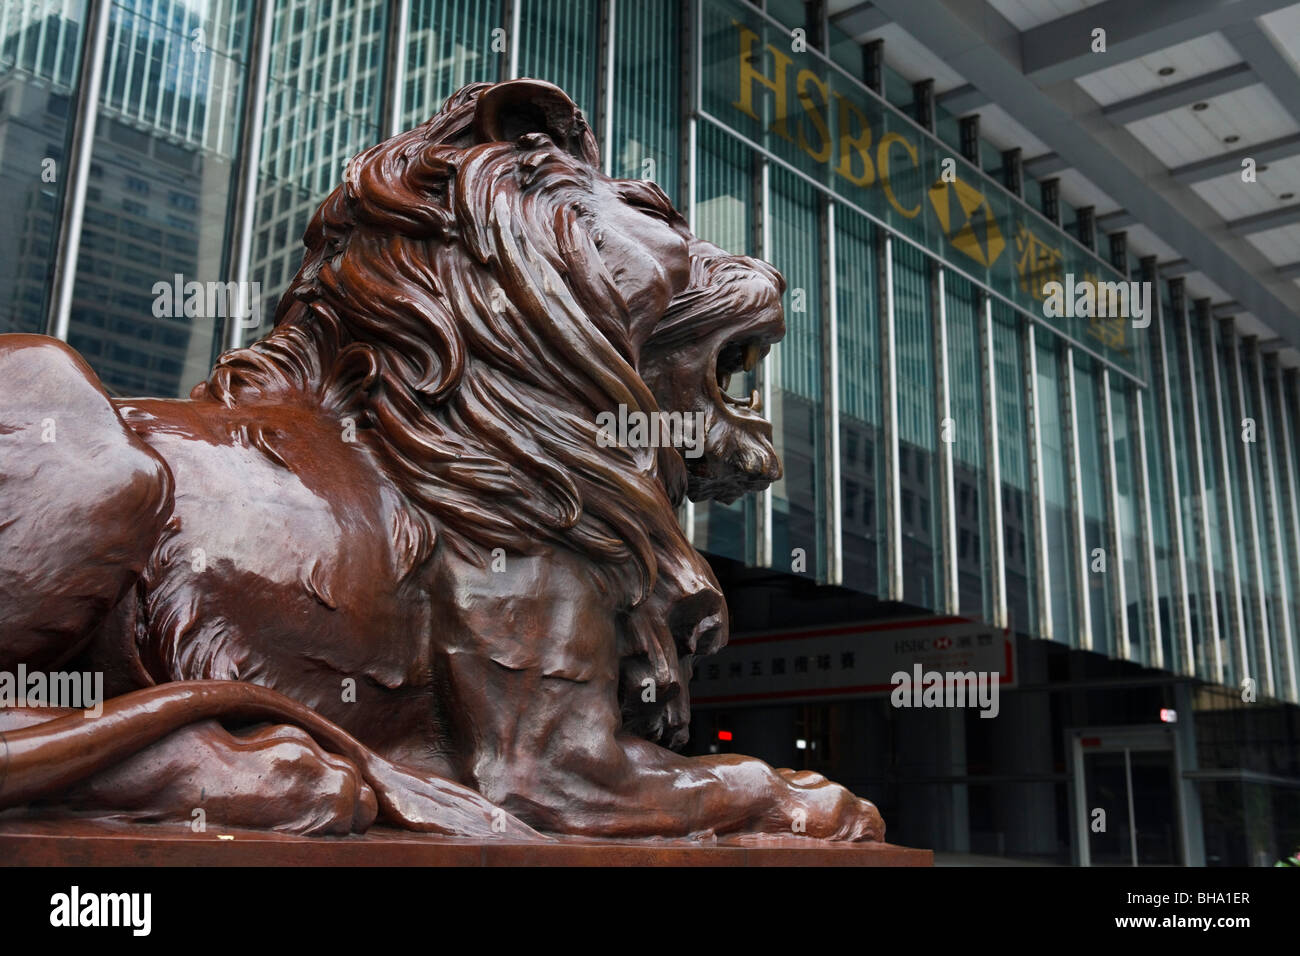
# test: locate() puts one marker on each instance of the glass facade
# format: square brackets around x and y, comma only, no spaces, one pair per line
[1081,483]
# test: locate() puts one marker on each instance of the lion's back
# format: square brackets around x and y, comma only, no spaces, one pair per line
[82,501]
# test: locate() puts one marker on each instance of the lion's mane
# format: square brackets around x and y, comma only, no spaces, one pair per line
[452,301]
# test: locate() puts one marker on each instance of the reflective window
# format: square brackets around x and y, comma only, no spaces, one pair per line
[1100,563]
[1018,540]
[450,44]
[151,294]
[798,504]
[1061,552]
[560,43]
[40,50]
[861,461]
[323,107]
[647,91]
[966,434]
[917,425]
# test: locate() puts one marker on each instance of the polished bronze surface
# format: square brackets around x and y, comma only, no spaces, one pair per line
[385,564]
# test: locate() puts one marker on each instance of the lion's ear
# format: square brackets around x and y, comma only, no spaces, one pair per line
[507,111]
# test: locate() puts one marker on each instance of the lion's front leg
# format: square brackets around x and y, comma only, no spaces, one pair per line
[557,761]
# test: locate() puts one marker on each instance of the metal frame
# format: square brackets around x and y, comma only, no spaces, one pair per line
[1286,659]
[1191,398]
[1115,531]
[950,590]
[605,83]
[1038,494]
[830,377]
[1262,639]
[1150,571]
[1180,612]
[250,163]
[1291,482]
[399,15]
[762,550]
[90,75]
[688,170]
[893,507]
[1227,510]
[1069,401]
[512,67]
[992,462]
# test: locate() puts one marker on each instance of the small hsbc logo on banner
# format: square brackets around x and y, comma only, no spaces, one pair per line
[851,660]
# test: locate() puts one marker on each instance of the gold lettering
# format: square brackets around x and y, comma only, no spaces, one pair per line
[749,75]
[862,143]
[882,163]
[823,152]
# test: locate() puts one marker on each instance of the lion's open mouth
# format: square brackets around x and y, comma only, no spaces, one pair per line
[736,357]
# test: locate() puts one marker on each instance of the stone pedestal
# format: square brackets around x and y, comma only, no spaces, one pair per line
[74,843]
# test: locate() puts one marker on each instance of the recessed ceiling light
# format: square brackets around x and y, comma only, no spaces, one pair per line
[1166,71]
[1231,139]
[1197,107]
[1287,196]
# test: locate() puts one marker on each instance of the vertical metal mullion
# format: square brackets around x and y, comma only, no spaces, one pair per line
[1180,613]
[993,462]
[1116,531]
[689,171]
[1274,528]
[250,161]
[1227,497]
[1190,395]
[1262,640]
[1150,572]
[605,72]
[394,91]
[82,145]
[763,516]
[830,377]
[950,592]
[515,18]
[889,416]
[1070,403]
[1291,482]
[1038,487]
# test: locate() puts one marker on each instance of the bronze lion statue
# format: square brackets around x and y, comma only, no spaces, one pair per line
[378,566]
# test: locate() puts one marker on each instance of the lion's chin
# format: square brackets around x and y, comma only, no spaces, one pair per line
[738,459]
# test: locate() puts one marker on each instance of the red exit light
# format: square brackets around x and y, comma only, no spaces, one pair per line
[724,734]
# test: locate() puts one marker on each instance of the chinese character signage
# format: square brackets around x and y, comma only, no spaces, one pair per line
[854,660]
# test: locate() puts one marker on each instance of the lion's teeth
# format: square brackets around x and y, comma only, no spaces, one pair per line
[756,401]
[751,356]
[724,381]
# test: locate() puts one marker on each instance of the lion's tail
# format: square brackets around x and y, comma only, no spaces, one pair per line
[47,758]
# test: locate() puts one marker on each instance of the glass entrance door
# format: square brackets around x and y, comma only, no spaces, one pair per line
[1127,797]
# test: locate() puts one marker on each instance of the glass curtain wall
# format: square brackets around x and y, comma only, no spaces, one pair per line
[323,106]
[560,42]
[1061,548]
[861,462]
[918,425]
[40,66]
[798,506]
[647,94]
[161,181]
[1011,406]
[966,434]
[450,44]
